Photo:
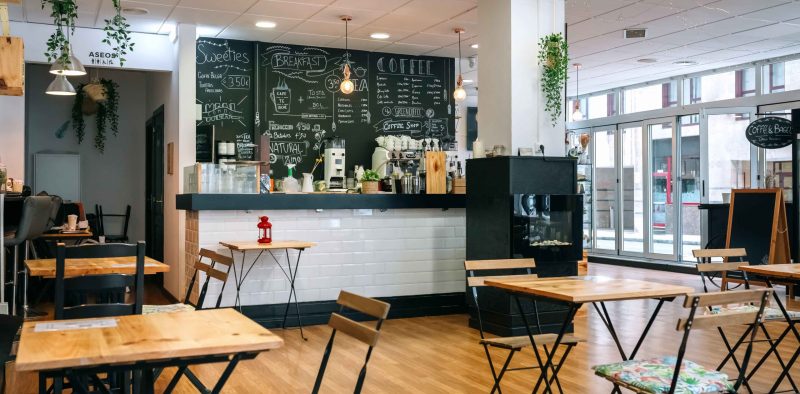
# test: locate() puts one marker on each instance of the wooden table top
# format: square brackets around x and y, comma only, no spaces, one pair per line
[254,245]
[60,235]
[94,266]
[583,289]
[774,270]
[143,338]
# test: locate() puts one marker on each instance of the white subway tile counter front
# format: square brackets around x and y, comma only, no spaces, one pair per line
[397,252]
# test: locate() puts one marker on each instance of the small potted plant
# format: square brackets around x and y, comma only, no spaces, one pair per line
[369,182]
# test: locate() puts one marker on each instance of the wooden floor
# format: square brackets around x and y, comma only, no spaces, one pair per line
[442,355]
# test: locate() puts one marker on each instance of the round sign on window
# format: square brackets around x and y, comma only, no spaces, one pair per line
[770,132]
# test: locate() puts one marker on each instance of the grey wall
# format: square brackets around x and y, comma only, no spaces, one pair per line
[113,179]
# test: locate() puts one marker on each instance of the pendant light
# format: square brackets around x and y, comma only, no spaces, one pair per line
[577,114]
[60,87]
[459,94]
[347,86]
[73,67]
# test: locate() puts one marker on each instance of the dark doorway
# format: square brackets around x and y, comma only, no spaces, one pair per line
[154,189]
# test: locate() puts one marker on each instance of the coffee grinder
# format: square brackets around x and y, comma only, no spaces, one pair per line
[334,163]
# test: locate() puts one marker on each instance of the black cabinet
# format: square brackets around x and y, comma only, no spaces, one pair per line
[523,207]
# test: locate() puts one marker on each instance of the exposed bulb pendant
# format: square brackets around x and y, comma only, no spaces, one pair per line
[459,94]
[347,86]
[577,115]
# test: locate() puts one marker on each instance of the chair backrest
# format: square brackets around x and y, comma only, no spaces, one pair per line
[55,208]
[106,287]
[211,272]
[473,282]
[98,212]
[34,221]
[700,318]
[101,219]
[705,265]
[360,331]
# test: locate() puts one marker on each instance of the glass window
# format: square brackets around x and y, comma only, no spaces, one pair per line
[779,166]
[597,106]
[648,98]
[746,82]
[720,86]
[775,76]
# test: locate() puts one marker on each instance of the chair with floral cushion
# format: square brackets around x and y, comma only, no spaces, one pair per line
[727,270]
[670,374]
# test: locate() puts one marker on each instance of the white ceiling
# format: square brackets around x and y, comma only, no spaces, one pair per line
[715,33]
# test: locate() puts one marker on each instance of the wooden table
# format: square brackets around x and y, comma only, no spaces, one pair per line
[70,236]
[578,290]
[767,272]
[93,266]
[291,275]
[144,342]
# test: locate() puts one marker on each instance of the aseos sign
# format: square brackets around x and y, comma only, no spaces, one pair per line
[770,133]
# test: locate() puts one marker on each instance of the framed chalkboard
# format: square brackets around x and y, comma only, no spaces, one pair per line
[757,222]
[290,94]
[224,95]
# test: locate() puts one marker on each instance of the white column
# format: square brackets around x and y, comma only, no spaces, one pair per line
[511,104]
[179,130]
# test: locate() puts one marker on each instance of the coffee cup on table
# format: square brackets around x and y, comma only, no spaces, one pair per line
[17,186]
[72,222]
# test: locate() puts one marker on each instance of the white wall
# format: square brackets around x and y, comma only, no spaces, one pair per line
[113,179]
[12,135]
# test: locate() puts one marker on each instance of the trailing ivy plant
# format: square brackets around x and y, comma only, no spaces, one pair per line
[554,59]
[64,13]
[107,113]
[118,37]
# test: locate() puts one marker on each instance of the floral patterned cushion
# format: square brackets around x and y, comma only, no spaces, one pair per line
[655,376]
[150,309]
[770,313]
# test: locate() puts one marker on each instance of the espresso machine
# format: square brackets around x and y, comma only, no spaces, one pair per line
[334,163]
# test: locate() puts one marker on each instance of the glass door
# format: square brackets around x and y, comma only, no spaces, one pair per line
[662,199]
[689,182]
[777,163]
[632,142]
[604,189]
[729,160]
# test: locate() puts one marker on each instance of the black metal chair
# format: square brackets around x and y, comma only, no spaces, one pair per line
[108,287]
[706,267]
[362,332]
[211,272]
[645,376]
[515,343]
[101,217]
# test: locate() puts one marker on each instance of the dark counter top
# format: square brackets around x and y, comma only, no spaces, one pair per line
[235,202]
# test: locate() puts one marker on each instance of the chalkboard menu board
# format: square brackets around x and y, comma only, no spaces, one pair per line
[225,71]
[291,94]
[757,222]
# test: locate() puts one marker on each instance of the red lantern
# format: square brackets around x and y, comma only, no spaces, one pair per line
[264,231]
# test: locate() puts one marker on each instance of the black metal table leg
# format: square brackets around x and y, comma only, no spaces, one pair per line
[242,275]
[542,367]
[791,324]
[291,276]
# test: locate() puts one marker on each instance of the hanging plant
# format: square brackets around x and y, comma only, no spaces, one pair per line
[554,60]
[64,13]
[118,37]
[105,110]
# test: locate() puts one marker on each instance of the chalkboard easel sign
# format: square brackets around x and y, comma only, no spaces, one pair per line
[757,223]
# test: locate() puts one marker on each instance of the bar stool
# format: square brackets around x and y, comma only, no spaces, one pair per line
[35,221]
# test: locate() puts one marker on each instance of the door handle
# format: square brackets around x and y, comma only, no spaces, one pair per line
[158,201]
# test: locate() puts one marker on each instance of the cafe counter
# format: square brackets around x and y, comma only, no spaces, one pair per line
[407,249]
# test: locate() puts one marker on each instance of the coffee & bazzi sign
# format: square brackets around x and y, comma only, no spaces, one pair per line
[770,133]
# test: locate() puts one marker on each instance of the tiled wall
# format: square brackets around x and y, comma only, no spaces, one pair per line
[393,253]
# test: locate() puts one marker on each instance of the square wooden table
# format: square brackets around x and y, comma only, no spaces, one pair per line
[68,236]
[291,274]
[94,266]
[142,343]
[767,272]
[578,290]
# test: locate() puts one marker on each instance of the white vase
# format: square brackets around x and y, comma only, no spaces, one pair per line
[308,183]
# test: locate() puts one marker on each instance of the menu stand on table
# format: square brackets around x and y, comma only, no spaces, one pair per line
[579,290]
[779,271]
[291,274]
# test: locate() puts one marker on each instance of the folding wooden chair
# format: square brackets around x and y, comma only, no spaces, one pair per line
[515,343]
[669,374]
[705,267]
[362,332]
[211,272]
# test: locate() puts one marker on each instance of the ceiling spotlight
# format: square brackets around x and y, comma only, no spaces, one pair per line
[135,11]
[380,36]
[266,24]
[685,63]
[474,46]
[648,60]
